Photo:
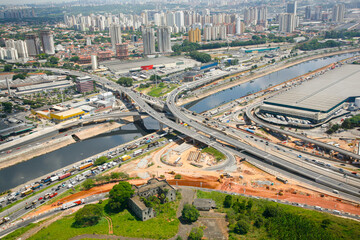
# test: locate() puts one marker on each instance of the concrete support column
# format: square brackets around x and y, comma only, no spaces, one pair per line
[177,120]
[161,125]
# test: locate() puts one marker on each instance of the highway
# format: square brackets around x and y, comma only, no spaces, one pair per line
[346,190]
[301,137]
[351,191]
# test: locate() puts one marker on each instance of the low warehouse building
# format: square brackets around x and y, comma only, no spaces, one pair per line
[317,100]
[67,115]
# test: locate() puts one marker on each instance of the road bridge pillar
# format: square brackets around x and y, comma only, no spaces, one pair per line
[161,125]
[177,120]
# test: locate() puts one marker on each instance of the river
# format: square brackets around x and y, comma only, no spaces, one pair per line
[36,167]
[230,94]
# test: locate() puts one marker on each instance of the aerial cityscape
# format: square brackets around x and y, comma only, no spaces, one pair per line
[162,119]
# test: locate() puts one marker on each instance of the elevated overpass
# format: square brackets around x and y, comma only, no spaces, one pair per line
[256,120]
[351,191]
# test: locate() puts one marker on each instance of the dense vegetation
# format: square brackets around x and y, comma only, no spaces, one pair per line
[125,81]
[348,123]
[342,34]
[261,219]
[200,56]
[315,44]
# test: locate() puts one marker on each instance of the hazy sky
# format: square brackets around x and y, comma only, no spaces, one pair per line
[31,1]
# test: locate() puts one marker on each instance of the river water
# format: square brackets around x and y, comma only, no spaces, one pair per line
[25,171]
[261,83]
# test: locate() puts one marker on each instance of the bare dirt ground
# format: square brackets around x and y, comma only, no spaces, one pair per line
[247,179]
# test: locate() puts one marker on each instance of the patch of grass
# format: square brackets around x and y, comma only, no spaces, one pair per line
[16,234]
[161,90]
[165,225]
[62,229]
[218,155]
[294,220]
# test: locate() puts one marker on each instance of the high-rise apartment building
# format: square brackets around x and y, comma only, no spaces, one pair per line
[195,35]
[32,44]
[164,42]
[94,62]
[179,19]
[115,35]
[240,26]
[287,22]
[148,41]
[21,48]
[122,51]
[338,13]
[47,42]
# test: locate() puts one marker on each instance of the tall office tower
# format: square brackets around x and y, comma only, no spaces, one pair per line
[262,16]
[287,22]
[47,42]
[115,34]
[163,36]
[21,48]
[338,13]
[94,62]
[148,41]
[170,19]
[122,50]
[179,19]
[240,26]
[194,35]
[32,44]
[291,7]
[317,15]
[307,12]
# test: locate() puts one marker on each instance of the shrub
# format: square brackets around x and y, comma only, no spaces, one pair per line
[89,215]
[196,234]
[241,227]
[190,213]
[100,161]
[228,201]
[177,176]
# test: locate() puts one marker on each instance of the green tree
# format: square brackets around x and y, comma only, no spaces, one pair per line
[177,176]
[155,78]
[228,201]
[259,221]
[88,183]
[190,213]
[101,160]
[115,175]
[196,234]
[89,215]
[7,107]
[241,227]
[7,68]
[125,81]
[53,60]
[119,196]
[271,211]
[74,59]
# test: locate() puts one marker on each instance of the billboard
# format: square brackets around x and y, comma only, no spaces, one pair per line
[147,67]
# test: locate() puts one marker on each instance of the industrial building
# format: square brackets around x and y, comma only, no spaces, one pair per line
[44,87]
[317,100]
[67,115]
